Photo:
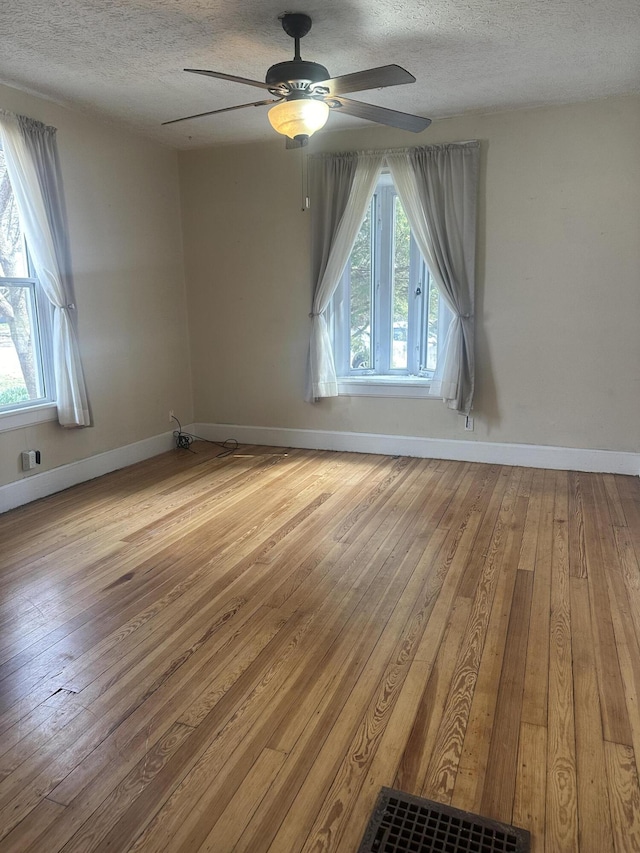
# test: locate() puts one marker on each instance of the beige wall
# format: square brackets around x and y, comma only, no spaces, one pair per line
[558,287]
[124,221]
[558,284]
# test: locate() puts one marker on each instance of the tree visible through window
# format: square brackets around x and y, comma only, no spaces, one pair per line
[23,376]
[388,315]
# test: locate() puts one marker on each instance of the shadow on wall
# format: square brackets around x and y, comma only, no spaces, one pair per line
[486,398]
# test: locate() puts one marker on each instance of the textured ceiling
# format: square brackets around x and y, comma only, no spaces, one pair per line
[123,59]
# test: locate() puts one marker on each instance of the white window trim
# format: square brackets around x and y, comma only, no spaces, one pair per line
[27,416]
[42,323]
[385,386]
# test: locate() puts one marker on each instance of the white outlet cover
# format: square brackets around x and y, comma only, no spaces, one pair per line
[28,459]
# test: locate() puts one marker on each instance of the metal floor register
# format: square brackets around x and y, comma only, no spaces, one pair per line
[402,823]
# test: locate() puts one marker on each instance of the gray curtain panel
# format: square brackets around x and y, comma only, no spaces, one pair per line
[438,185]
[41,141]
[331,177]
[343,185]
[330,181]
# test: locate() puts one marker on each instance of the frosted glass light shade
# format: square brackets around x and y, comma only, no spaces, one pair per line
[300,117]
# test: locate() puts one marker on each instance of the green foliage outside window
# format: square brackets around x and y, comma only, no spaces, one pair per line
[362,288]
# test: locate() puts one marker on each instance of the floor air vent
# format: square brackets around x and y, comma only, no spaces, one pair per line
[402,823]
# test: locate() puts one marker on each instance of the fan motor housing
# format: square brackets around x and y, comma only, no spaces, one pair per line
[296,72]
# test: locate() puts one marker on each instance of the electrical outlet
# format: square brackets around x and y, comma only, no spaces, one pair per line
[170,415]
[28,459]
[468,423]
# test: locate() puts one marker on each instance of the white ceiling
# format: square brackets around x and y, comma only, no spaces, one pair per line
[123,59]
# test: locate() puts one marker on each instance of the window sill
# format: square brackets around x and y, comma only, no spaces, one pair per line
[28,416]
[384,386]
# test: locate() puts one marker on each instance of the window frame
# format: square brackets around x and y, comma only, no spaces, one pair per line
[382,379]
[43,408]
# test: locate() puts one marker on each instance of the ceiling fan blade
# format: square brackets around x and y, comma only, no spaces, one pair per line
[225,110]
[231,77]
[381,115]
[373,78]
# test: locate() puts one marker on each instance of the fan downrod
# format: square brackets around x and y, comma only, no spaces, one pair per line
[296,25]
[295,75]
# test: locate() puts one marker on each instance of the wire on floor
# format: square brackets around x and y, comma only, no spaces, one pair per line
[184,440]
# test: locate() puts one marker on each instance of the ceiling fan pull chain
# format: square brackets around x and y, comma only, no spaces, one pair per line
[304,180]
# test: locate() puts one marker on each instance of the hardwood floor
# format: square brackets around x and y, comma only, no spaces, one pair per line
[235,654]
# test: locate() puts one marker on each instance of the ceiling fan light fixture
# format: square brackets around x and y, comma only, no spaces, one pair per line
[298,117]
[303,92]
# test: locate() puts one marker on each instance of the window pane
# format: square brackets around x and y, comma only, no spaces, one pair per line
[386,314]
[13,257]
[20,371]
[360,308]
[432,326]
[400,286]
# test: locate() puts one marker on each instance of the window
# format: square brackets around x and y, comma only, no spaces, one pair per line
[388,317]
[25,348]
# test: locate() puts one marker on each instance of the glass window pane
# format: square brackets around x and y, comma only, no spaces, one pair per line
[388,314]
[432,326]
[13,255]
[400,286]
[20,370]
[360,309]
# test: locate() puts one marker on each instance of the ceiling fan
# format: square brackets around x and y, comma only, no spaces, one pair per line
[304,93]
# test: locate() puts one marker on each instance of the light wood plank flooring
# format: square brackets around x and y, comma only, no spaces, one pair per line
[235,654]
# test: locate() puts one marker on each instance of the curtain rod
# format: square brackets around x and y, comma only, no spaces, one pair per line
[405,150]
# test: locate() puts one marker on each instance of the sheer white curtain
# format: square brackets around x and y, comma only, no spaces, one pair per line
[341,188]
[438,188]
[32,165]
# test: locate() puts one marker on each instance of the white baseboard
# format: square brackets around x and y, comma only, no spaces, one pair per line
[527,455]
[34,486]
